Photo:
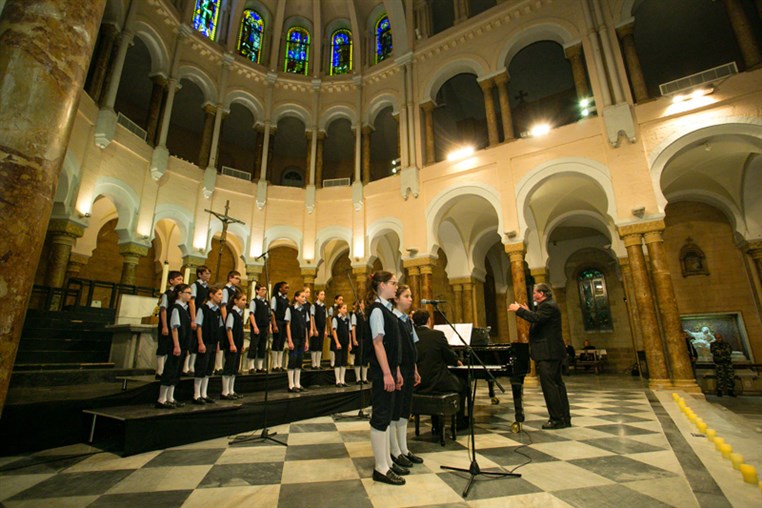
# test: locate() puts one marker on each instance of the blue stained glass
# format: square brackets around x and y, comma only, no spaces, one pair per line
[383,38]
[297,51]
[341,52]
[250,38]
[205,17]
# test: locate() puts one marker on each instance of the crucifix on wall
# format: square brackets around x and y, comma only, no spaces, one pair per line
[226,220]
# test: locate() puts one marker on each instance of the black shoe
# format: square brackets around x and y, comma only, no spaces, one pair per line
[293,390]
[252,371]
[163,405]
[390,477]
[157,376]
[177,403]
[567,423]
[358,382]
[302,389]
[401,471]
[209,400]
[402,461]
[415,459]
[238,395]
[199,401]
[227,397]
[553,425]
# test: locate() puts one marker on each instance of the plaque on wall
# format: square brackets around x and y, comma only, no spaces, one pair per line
[692,259]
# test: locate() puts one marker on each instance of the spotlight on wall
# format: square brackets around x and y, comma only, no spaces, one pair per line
[639,212]
[460,153]
[693,94]
[85,215]
[587,107]
[539,129]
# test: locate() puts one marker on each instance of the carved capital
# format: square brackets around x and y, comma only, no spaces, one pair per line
[63,227]
[133,250]
[641,227]
[418,262]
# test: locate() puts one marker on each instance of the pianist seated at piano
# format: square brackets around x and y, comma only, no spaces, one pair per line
[434,357]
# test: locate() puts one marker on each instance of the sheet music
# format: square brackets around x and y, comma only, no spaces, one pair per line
[464,329]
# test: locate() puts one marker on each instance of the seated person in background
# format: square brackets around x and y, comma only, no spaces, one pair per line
[571,359]
[586,346]
[434,355]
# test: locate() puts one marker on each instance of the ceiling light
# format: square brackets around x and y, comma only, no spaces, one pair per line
[539,130]
[695,94]
[460,153]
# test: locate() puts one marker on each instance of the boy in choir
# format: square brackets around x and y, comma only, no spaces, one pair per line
[357,357]
[179,323]
[234,280]
[401,455]
[210,330]
[198,296]
[233,345]
[318,314]
[164,340]
[259,321]
[297,325]
[308,306]
[342,331]
[338,300]
[279,305]
[383,330]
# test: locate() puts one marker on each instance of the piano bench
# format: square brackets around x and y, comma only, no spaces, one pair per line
[436,404]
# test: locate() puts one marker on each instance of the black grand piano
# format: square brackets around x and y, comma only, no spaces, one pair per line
[502,360]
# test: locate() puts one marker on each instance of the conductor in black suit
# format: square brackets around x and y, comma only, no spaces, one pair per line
[546,346]
[434,356]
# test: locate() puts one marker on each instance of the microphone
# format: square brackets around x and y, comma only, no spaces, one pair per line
[265,253]
[431,302]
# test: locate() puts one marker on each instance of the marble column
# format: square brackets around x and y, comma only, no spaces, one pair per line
[366,132]
[63,234]
[747,40]
[428,120]
[414,281]
[468,302]
[206,135]
[632,308]
[457,306]
[76,262]
[41,77]
[114,76]
[108,35]
[574,55]
[666,302]
[427,291]
[559,295]
[540,274]
[166,114]
[489,108]
[154,107]
[308,275]
[319,161]
[652,342]
[191,263]
[254,277]
[515,253]
[259,141]
[361,279]
[501,82]
[308,167]
[131,254]
[631,59]
[422,18]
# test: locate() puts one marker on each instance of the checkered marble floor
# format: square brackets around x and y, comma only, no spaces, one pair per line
[616,454]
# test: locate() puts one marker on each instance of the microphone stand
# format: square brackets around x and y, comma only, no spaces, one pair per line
[473,470]
[265,435]
[361,414]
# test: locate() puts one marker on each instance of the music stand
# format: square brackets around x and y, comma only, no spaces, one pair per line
[361,414]
[265,435]
[473,469]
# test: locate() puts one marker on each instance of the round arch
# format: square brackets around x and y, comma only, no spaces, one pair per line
[247,100]
[471,64]
[336,112]
[156,48]
[325,235]
[182,218]
[124,199]
[294,110]
[277,233]
[546,29]
[200,79]
[379,103]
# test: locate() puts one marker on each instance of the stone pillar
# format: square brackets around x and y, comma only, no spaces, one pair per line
[428,120]
[468,302]
[166,114]
[309,274]
[489,108]
[206,135]
[559,295]
[63,234]
[154,108]
[214,151]
[540,274]
[108,35]
[422,18]
[634,70]
[253,276]
[115,73]
[427,291]
[515,253]
[501,81]
[259,140]
[308,167]
[366,132]
[76,262]
[414,281]
[574,55]
[458,304]
[361,278]
[747,41]
[461,11]
[632,308]
[682,372]
[754,249]
[319,161]
[652,343]
[191,263]
[45,48]
[131,254]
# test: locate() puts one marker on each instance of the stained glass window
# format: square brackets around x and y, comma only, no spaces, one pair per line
[594,300]
[205,17]
[383,38]
[250,38]
[297,50]
[341,52]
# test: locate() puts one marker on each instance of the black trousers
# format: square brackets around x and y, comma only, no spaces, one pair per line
[381,400]
[296,355]
[172,369]
[279,339]
[231,363]
[258,343]
[554,389]
[204,364]
[403,399]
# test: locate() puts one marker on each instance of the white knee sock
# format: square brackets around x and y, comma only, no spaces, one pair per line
[185,363]
[343,371]
[402,435]
[160,361]
[192,362]
[225,385]
[171,394]
[218,360]
[260,362]
[163,390]
[337,374]
[319,358]
[197,387]
[204,387]
[232,384]
[394,447]
[291,376]
[298,378]
[388,454]
[378,442]
[365,374]
[357,372]
[250,364]
[333,359]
